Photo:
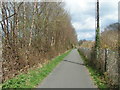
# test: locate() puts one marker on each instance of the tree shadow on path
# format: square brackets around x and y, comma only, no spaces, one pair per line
[74,62]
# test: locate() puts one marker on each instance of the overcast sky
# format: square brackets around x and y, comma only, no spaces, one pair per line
[83,16]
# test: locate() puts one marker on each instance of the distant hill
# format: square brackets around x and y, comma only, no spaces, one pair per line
[87,44]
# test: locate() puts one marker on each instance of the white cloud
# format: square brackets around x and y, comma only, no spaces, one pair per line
[89,23]
[86,35]
[83,15]
[76,6]
[113,16]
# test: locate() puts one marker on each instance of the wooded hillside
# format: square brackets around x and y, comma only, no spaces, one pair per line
[109,38]
[33,33]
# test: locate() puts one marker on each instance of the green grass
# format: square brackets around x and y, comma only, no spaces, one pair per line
[33,77]
[97,76]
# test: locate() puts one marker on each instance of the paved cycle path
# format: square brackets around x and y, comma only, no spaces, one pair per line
[70,73]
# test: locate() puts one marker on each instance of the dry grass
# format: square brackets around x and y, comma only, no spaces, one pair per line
[87,44]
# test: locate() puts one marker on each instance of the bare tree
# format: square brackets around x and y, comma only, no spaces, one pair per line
[33,33]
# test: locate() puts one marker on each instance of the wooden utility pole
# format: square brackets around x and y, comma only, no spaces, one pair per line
[97,39]
[98,14]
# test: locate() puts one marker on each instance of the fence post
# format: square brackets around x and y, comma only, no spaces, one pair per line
[106,57]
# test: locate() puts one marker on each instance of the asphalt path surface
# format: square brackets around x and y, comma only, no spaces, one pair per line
[69,73]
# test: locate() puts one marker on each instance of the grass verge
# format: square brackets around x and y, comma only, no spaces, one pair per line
[97,76]
[34,77]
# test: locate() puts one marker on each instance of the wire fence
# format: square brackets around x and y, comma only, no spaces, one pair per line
[107,63]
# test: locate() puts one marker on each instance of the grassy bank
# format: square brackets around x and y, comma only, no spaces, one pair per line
[34,77]
[97,76]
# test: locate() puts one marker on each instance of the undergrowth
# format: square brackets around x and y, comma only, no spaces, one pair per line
[33,77]
[97,76]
